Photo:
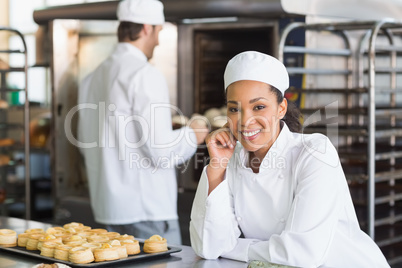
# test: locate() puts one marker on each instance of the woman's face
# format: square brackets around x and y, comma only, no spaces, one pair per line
[254,114]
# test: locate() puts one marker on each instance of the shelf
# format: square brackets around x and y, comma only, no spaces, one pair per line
[10,70]
[380,131]
[388,234]
[327,90]
[359,174]
[385,70]
[300,70]
[7,126]
[384,194]
[393,253]
[316,51]
[359,151]
[12,51]
[6,89]
[384,215]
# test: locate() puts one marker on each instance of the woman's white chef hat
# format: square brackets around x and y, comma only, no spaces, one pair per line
[141,11]
[256,66]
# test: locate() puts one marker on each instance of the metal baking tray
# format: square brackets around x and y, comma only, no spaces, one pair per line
[131,258]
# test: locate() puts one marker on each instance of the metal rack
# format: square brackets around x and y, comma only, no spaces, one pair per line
[365,64]
[19,143]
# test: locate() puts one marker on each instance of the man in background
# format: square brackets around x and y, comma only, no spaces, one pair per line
[131,166]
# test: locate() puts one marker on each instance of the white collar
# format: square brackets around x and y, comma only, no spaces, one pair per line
[274,157]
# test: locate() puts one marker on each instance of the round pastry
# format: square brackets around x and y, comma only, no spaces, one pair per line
[8,238]
[22,239]
[70,230]
[98,239]
[81,229]
[53,230]
[33,240]
[47,249]
[92,246]
[155,244]
[48,238]
[121,250]
[111,235]
[125,237]
[61,252]
[62,235]
[80,255]
[106,253]
[98,231]
[34,230]
[72,225]
[132,246]
[85,234]
[74,240]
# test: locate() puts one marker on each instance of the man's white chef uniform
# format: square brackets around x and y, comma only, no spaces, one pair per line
[129,147]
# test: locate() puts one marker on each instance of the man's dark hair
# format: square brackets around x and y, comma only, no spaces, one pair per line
[129,31]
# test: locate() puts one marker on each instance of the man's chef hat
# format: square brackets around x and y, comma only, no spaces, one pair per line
[141,11]
[256,66]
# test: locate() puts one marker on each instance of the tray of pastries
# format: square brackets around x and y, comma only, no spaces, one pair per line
[77,245]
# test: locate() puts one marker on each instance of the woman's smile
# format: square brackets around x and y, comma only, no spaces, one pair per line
[250,134]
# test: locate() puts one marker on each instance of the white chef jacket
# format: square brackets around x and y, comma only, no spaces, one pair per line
[296,211]
[132,150]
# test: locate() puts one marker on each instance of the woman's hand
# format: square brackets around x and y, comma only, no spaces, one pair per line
[221,144]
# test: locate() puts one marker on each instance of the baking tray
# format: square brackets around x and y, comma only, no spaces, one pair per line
[131,258]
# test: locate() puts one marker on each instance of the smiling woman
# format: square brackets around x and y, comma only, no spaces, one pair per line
[285,192]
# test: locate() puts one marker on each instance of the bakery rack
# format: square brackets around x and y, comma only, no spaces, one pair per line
[353,94]
[9,130]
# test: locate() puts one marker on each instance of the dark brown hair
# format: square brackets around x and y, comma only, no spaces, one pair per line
[129,31]
[293,115]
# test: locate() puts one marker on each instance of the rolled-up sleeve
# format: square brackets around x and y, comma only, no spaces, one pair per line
[213,228]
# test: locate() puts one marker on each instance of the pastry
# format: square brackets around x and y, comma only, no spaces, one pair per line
[8,238]
[98,239]
[85,234]
[61,252]
[49,238]
[121,250]
[72,225]
[125,237]
[74,240]
[132,246]
[33,240]
[106,253]
[155,244]
[111,235]
[92,246]
[47,249]
[98,231]
[53,230]
[81,229]
[34,230]
[22,239]
[80,255]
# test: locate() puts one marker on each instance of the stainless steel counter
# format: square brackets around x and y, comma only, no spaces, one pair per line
[185,258]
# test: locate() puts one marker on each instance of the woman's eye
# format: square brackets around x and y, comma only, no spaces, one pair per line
[233,110]
[259,107]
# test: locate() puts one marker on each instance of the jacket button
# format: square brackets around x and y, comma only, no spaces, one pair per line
[282,220]
[280,176]
[238,218]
